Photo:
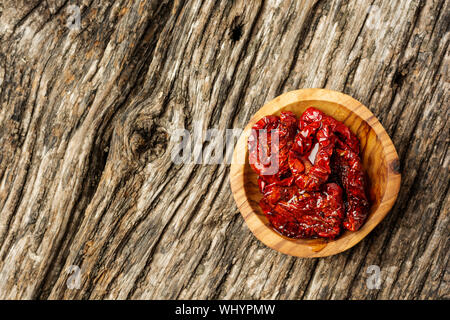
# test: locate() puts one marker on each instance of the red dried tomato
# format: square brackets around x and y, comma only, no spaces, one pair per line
[300,166]
[348,168]
[270,159]
[298,214]
[317,166]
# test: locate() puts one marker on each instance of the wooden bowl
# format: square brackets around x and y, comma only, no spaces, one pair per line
[379,157]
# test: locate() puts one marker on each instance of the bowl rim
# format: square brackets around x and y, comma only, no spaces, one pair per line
[316,247]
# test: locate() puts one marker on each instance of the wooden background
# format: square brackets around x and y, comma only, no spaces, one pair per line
[86,116]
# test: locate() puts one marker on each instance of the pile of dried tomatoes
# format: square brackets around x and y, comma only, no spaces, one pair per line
[310,174]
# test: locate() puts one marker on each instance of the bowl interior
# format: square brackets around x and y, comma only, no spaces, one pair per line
[374,143]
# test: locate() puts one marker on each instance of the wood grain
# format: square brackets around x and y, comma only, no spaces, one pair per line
[86,116]
[378,155]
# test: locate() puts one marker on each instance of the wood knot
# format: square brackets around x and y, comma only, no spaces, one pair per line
[401,73]
[399,78]
[236,29]
[395,166]
[149,144]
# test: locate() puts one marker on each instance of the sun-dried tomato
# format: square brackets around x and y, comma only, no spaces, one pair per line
[348,168]
[298,214]
[270,160]
[316,166]
[303,168]
[346,137]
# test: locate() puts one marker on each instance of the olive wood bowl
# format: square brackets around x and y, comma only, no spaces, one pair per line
[379,158]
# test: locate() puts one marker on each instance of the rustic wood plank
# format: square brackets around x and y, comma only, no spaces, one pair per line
[86,117]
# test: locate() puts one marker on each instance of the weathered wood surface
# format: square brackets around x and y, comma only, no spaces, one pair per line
[86,115]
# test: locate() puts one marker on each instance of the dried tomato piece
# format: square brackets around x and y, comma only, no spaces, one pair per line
[290,197]
[346,137]
[299,214]
[261,157]
[284,223]
[312,115]
[304,139]
[316,173]
[333,210]
[288,122]
[263,184]
[328,213]
[270,158]
[287,131]
[349,171]
[284,209]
